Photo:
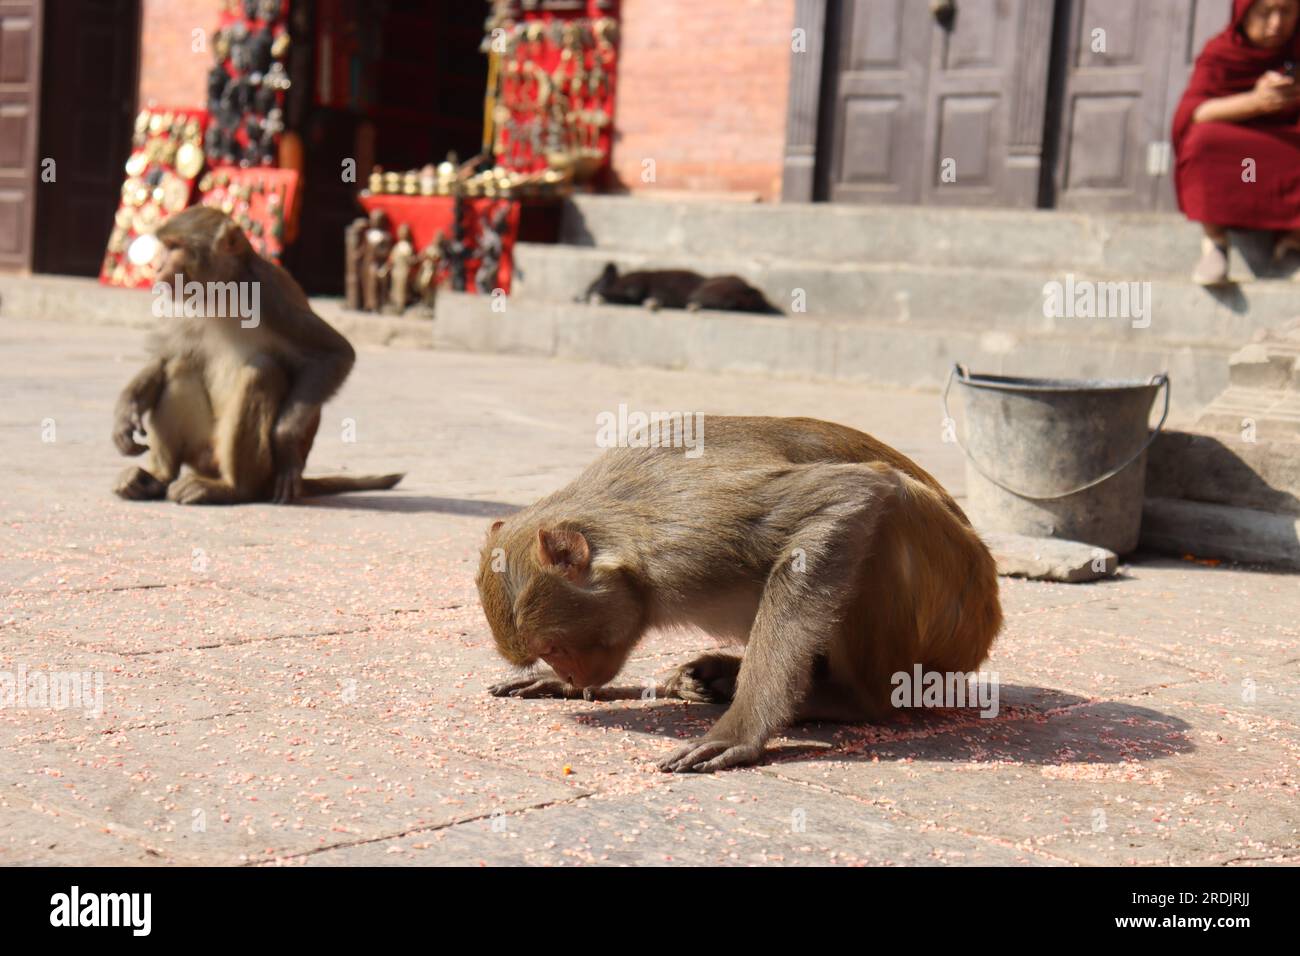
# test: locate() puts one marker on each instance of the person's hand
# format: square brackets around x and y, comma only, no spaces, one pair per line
[1275,92]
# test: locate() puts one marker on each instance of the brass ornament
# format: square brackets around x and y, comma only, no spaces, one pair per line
[189,160]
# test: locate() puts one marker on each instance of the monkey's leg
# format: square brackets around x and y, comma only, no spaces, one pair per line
[709,679]
[241,441]
[179,429]
[830,702]
[842,506]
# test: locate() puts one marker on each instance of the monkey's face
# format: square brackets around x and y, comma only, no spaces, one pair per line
[202,244]
[177,260]
[544,601]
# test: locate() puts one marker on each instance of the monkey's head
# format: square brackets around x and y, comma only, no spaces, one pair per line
[546,597]
[202,244]
[598,291]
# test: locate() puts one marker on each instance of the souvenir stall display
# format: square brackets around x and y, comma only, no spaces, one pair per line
[551,86]
[166,159]
[258,199]
[453,239]
[248,82]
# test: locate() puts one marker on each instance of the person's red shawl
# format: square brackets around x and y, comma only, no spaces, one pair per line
[1230,64]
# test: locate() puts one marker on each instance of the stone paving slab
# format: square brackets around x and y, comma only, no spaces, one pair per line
[255,787]
[736,819]
[36,835]
[312,679]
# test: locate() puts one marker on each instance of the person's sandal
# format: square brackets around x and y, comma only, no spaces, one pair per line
[1285,245]
[1213,267]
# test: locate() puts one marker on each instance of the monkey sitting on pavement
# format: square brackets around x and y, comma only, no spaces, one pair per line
[833,559]
[234,397]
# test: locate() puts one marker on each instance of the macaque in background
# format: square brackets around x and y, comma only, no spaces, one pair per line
[833,559]
[235,397]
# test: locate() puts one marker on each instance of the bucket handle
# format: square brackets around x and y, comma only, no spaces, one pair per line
[1160,380]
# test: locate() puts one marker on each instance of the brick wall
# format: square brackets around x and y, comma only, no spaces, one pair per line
[702,91]
[171,74]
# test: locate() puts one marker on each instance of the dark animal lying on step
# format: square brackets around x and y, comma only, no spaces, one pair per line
[677,289]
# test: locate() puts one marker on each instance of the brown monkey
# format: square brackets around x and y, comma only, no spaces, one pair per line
[836,561]
[235,392]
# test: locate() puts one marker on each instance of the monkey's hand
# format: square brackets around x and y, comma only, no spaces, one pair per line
[124,431]
[719,749]
[537,685]
[287,443]
[288,484]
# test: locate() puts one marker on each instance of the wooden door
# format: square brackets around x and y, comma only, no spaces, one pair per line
[879,55]
[20,70]
[1114,136]
[938,109]
[985,103]
[88,94]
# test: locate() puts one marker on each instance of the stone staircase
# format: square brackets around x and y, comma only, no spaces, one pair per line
[891,295]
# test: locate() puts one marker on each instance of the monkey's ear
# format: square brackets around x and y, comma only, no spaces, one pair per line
[610,271]
[496,526]
[230,240]
[564,549]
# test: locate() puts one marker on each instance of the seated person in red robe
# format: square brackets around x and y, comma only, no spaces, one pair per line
[1236,136]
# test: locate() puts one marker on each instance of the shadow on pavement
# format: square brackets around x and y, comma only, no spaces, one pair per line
[1034,725]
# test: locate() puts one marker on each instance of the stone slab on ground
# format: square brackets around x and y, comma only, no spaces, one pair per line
[1049,559]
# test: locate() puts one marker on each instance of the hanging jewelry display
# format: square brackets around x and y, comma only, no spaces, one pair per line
[248,82]
[166,157]
[551,98]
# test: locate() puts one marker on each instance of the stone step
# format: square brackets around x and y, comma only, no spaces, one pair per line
[1130,246]
[880,353]
[1233,467]
[940,297]
[1173,526]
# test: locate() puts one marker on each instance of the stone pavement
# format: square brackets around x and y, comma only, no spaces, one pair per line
[306,685]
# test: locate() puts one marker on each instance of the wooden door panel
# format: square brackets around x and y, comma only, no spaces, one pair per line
[964,112]
[19,92]
[1112,129]
[878,100]
[88,100]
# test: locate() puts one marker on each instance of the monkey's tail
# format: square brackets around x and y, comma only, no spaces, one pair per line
[338,484]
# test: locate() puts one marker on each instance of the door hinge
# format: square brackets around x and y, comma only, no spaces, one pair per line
[1160,156]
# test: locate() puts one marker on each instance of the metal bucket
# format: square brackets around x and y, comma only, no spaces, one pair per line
[1057,458]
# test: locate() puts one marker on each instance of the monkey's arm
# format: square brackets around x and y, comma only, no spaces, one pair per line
[326,358]
[545,683]
[140,395]
[541,683]
[800,607]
